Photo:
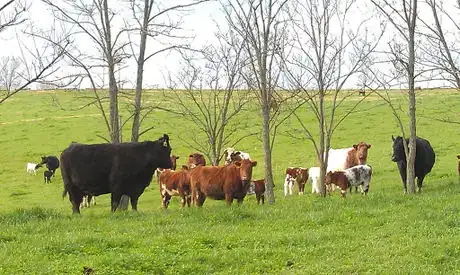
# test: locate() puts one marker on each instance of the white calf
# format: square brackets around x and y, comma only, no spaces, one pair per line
[288,184]
[313,175]
[30,168]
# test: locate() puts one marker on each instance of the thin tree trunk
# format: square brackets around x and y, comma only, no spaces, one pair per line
[412,118]
[140,75]
[267,154]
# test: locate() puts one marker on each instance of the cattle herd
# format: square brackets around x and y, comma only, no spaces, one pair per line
[126,169]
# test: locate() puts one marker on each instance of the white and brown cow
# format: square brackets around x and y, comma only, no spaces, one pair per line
[232,155]
[359,175]
[295,174]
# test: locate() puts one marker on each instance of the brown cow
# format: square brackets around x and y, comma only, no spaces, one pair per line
[339,179]
[458,165]
[175,183]
[297,174]
[221,182]
[196,159]
[259,189]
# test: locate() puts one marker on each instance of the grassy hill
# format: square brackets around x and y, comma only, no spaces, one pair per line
[385,232]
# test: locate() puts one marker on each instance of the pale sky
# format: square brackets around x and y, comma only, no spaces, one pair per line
[200,22]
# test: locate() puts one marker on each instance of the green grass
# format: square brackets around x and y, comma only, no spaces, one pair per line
[385,232]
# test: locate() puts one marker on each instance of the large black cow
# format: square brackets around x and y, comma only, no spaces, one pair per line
[424,159]
[119,169]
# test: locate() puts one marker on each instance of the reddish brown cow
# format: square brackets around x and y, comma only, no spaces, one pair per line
[458,165]
[259,189]
[300,175]
[221,182]
[339,179]
[196,159]
[175,183]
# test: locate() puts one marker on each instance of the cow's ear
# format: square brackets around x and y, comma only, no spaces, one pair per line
[355,146]
[184,167]
[368,146]
[178,157]
[190,156]
[254,163]
[392,137]
[237,163]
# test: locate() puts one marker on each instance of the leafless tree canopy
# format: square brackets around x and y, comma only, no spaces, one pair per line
[12,13]
[10,73]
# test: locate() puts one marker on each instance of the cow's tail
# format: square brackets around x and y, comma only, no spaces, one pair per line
[65,178]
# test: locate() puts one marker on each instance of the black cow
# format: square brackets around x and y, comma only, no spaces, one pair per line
[424,159]
[52,163]
[119,169]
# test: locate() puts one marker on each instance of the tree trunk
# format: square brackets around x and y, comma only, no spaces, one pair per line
[113,89]
[267,154]
[140,76]
[412,118]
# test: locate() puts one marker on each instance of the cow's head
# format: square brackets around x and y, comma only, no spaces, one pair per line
[328,178]
[162,152]
[228,155]
[196,159]
[174,159]
[245,169]
[361,151]
[398,149]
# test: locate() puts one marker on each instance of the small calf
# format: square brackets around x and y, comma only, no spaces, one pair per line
[259,189]
[47,176]
[297,174]
[359,175]
[31,168]
[313,175]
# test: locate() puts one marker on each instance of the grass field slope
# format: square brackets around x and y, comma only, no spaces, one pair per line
[385,232]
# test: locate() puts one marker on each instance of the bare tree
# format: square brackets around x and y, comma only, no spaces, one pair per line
[403,17]
[38,61]
[211,100]
[162,24]
[9,72]
[262,28]
[93,21]
[328,51]
[12,13]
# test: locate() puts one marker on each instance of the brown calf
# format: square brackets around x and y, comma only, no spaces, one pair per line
[259,189]
[175,183]
[221,182]
[300,175]
[339,179]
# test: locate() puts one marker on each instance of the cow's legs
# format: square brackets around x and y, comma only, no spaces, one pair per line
[420,183]
[262,198]
[75,197]
[403,173]
[240,200]
[165,200]
[301,188]
[188,199]
[115,200]
[134,200]
[228,198]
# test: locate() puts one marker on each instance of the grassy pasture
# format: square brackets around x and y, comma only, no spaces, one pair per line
[385,232]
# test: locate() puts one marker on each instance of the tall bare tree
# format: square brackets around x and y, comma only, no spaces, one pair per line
[38,61]
[327,51]
[162,24]
[212,99]
[402,15]
[261,25]
[9,72]
[93,21]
